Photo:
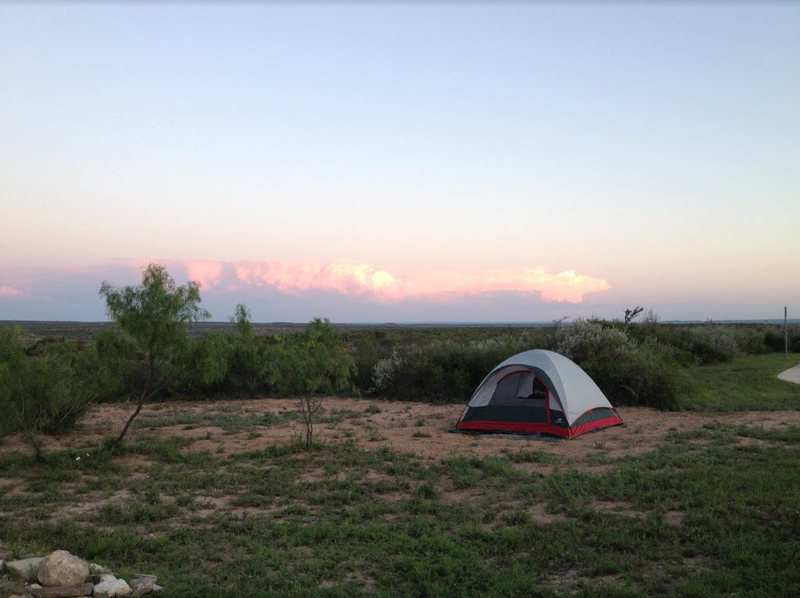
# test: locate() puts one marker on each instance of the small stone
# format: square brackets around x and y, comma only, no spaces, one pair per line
[143,585]
[24,569]
[110,588]
[60,568]
[96,569]
[6,555]
[81,589]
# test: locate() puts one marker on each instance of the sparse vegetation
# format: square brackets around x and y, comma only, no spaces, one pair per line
[639,363]
[680,518]
[634,363]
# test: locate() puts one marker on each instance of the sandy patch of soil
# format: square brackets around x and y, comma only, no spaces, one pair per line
[417,428]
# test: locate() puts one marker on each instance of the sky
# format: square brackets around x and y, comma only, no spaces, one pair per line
[403,161]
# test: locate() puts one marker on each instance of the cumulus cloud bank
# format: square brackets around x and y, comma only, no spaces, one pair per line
[296,290]
[355,278]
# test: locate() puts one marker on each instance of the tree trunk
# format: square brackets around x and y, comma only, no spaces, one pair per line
[144,394]
[121,436]
[306,407]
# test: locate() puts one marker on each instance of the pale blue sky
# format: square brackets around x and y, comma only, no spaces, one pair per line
[651,146]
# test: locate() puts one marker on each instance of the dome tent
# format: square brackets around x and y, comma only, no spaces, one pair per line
[538,392]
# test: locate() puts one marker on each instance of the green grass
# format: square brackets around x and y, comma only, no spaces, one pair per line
[746,383]
[341,520]
[229,421]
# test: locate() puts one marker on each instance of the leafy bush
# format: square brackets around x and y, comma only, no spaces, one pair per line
[204,367]
[443,370]
[593,341]
[628,371]
[647,374]
[48,387]
[316,361]
[775,338]
[709,343]
[247,366]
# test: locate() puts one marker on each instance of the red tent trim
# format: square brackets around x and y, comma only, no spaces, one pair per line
[539,428]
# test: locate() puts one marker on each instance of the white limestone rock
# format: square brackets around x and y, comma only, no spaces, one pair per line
[95,569]
[24,569]
[60,568]
[144,585]
[110,587]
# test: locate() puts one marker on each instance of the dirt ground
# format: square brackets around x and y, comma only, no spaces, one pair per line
[417,428]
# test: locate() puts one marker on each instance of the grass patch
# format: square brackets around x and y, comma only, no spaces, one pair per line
[342,520]
[230,421]
[707,511]
[745,383]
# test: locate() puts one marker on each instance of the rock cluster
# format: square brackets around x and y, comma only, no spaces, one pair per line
[63,575]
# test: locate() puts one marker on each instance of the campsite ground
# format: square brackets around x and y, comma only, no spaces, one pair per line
[219,498]
[424,430]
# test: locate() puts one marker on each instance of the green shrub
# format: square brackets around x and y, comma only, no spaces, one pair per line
[315,361]
[444,370]
[629,372]
[593,341]
[751,340]
[204,366]
[710,343]
[436,372]
[647,374]
[14,378]
[775,338]
[247,366]
[48,387]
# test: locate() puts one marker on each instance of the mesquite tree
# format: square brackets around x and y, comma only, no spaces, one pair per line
[152,319]
[314,362]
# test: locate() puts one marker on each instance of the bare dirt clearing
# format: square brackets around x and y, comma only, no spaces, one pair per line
[236,426]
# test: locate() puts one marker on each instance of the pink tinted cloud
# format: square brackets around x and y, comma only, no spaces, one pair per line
[356,278]
[564,286]
[206,273]
[349,278]
[7,291]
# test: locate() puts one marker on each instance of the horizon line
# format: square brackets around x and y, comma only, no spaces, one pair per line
[449,323]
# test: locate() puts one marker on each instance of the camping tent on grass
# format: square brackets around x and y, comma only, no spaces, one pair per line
[538,392]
